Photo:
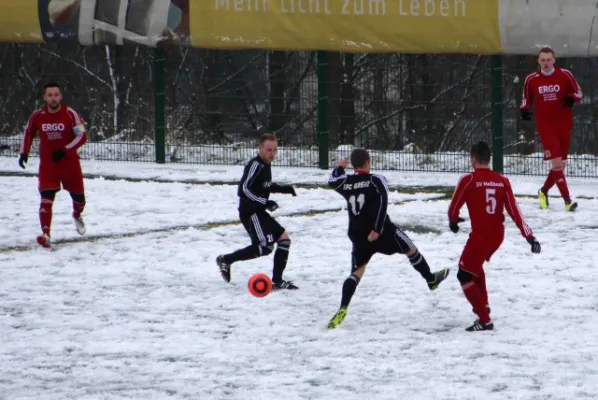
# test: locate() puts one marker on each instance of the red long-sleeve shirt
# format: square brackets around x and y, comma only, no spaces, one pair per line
[548,92]
[64,129]
[487,193]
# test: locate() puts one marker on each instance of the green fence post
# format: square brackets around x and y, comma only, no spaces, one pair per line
[497,114]
[159,106]
[323,109]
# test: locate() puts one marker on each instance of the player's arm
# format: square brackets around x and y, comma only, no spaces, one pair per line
[515,212]
[381,187]
[338,175]
[574,93]
[78,126]
[517,217]
[459,197]
[30,132]
[286,189]
[527,97]
[250,182]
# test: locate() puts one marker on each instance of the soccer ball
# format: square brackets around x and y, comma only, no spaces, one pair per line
[260,285]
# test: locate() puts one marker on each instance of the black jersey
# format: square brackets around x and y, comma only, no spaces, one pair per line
[367,201]
[255,186]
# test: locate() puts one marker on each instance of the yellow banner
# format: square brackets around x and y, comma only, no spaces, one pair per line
[19,21]
[411,26]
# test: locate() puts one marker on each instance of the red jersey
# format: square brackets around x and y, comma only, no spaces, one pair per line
[63,129]
[487,193]
[548,92]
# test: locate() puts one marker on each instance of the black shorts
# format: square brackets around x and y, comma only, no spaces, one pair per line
[390,242]
[262,228]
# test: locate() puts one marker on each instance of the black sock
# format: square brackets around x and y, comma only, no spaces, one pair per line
[349,289]
[248,253]
[281,255]
[420,265]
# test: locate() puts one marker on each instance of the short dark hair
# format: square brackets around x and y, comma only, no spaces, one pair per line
[51,85]
[547,50]
[359,157]
[481,152]
[266,137]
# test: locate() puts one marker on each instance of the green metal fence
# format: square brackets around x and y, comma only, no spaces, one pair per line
[414,112]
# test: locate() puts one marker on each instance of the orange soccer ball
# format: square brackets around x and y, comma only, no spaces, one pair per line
[260,285]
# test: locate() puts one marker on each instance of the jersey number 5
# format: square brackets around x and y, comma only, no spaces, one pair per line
[357,203]
[490,201]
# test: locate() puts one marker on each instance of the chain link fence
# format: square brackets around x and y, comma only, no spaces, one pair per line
[414,112]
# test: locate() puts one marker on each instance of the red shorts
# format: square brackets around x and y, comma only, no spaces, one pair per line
[65,174]
[555,144]
[475,253]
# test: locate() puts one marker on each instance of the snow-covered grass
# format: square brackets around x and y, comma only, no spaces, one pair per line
[580,165]
[147,316]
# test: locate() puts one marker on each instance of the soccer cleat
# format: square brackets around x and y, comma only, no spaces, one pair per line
[44,241]
[571,206]
[224,268]
[543,200]
[288,285]
[80,225]
[338,318]
[439,276]
[478,326]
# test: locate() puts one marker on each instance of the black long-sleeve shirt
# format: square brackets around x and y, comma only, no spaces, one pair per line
[255,186]
[367,202]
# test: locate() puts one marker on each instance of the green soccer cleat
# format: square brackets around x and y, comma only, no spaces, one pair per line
[571,206]
[338,318]
[439,276]
[543,200]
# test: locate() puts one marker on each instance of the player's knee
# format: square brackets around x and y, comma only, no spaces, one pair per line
[48,194]
[78,197]
[265,250]
[464,276]
[284,244]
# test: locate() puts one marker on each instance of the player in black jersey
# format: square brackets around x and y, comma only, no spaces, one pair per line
[254,191]
[370,229]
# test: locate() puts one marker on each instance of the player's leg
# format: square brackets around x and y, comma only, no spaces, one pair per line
[551,146]
[48,186]
[559,166]
[45,217]
[360,257]
[72,181]
[281,256]
[401,243]
[258,247]
[469,276]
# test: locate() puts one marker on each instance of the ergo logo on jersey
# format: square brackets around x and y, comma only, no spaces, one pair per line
[53,127]
[549,89]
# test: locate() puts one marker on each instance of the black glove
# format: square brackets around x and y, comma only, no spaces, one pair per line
[454,226]
[23,160]
[288,189]
[271,205]
[569,101]
[526,115]
[536,248]
[58,155]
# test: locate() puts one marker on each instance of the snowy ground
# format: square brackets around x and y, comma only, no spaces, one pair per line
[140,311]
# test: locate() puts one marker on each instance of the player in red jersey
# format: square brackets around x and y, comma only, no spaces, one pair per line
[62,132]
[486,193]
[554,91]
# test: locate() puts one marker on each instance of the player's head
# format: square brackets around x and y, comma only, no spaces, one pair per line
[480,154]
[360,159]
[52,95]
[546,59]
[268,147]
